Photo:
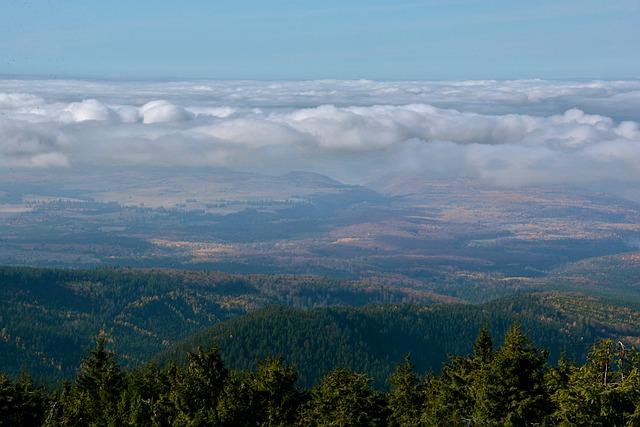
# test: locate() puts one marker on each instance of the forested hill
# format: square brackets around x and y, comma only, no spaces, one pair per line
[50,317]
[374,339]
[511,385]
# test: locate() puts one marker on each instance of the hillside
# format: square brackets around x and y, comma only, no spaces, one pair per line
[374,339]
[49,317]
[617,275]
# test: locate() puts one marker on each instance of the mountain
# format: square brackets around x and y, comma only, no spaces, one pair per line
[166,187]
[374,339]
[49,317]
[311,180]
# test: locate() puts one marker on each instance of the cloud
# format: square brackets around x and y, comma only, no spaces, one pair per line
[30,146]
[127,113]
[89,109]
[18,100]
[506,133]
[254,132]
[161,111]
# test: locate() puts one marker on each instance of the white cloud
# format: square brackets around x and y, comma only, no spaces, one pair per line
[161,111]
[128,113]
[509,133]
[253,132]
[18,100]
[89,109]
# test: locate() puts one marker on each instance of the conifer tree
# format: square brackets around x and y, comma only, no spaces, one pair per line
[100,376]
[99,384]
[512,390]
[195,390]
[21,403]
[277,397]
[605,391]
[145,400]
[452,398]
[557,377]
[483,346]
[405,397]
[344,399]
[236,404]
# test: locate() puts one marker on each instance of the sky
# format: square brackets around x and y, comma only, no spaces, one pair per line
[332,39]
[510,93]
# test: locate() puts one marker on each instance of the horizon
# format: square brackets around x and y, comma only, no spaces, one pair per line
[180,79]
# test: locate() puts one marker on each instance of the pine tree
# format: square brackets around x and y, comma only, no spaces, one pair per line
[512,390]
[21,403]
[195,390]
[483,346]
[557,377]
[405,397]
[94,398]
[276,396]
[99,384]
[452,398]
[344,399]
[145,400]
[100,376]
[605,391]
[237,404]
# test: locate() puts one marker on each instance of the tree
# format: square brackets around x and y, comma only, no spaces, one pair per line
[483,347]
[195,390]
[267,397]
[557,377]
[452,398]
[605,391]
[21,403]
[100,377]
[405,397]
[512,390]
[94,397]
[145,401]
[344,399]
[276,394]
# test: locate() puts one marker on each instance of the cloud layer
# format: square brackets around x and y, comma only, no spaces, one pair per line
[506,133]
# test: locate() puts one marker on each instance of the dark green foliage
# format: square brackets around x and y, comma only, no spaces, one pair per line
[196,389]
[405,396]
[267,397]
[95,396]
[511,386]
[451,397]
[21,403]
[603,392]
[145,401]
[49,317]
[483,346]
[502,388]
[510,390]
[344,399]
[373,339]
[276,394]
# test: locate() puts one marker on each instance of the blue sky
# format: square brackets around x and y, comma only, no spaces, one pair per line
[277,39]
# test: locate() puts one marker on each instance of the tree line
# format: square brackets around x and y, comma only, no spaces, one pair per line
[512,385]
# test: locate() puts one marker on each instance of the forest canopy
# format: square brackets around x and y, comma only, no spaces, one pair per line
[512,384]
